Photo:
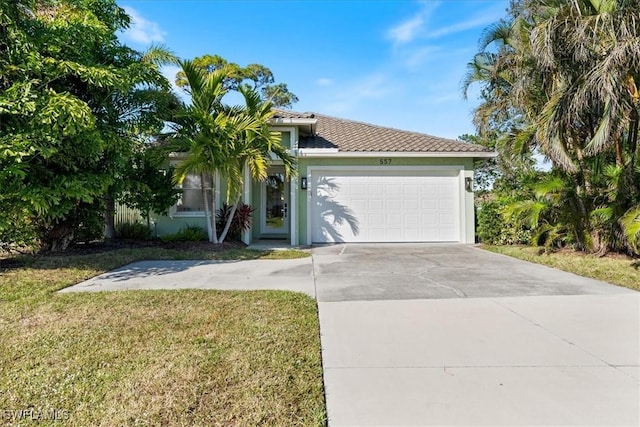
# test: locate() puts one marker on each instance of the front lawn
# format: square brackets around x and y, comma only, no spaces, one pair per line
[169,358]
[615,269]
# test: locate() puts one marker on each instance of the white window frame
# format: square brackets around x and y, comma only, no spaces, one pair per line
[173,210]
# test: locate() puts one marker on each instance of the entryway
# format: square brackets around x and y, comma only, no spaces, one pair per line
[274,206]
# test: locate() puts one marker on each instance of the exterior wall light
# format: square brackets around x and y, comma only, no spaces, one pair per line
[468,185]
[303,183]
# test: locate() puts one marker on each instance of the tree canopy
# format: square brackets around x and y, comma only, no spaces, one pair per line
[559,77]
[258,77]
[73,100]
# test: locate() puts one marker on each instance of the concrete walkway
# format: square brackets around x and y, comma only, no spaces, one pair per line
[289,275]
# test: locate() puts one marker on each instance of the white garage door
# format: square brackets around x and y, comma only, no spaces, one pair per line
[385,206]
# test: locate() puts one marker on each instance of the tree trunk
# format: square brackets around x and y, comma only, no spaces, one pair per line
[214,209]
[618,149]
[58,238]
[229,220]
[211,232]
[109,217]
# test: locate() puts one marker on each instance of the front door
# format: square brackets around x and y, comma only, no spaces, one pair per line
[275,204]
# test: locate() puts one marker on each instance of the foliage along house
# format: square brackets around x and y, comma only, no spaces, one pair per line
[355,182]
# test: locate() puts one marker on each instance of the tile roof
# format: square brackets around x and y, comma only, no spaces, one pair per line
[286,114]
[349,135]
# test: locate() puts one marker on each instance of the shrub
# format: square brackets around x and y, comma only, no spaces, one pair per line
[241,220]
[493,229]
[17,230]
[190,233]
[133,230]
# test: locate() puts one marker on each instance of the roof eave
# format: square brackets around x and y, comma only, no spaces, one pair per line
[292,121]
[333,152]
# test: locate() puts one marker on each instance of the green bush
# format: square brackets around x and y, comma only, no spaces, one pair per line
[493,229]
[188,234]
[133,230]
[17,230]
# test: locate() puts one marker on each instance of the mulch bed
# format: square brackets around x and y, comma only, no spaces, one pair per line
[115,244]
[15,259]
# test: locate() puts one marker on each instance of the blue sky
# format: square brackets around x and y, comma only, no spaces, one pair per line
[391,63]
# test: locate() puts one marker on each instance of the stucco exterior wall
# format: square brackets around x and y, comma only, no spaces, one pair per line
[165,224]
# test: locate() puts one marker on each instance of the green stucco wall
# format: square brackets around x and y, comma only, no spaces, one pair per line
[166,225]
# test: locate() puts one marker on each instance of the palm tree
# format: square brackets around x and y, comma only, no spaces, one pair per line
[200,130]
[252,147]
[561,79]
[224,140]
[136,113]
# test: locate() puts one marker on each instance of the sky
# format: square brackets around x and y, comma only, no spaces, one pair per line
[391,63]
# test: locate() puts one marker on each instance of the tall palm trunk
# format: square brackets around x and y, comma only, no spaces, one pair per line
[211,225]
[227,226]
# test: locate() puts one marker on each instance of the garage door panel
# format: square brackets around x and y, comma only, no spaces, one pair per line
[376,205]
[384,206]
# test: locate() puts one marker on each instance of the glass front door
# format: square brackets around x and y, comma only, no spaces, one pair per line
[275,204]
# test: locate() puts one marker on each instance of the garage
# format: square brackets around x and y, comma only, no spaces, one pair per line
[385,205]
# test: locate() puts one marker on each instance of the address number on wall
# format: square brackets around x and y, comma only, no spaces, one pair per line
[385,162]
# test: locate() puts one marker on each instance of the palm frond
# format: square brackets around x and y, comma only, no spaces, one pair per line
[549,188]
[630,223]
[526,212]
[158,54]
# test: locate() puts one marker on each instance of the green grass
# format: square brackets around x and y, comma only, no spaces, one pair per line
[154,357]
[617,270]
[245,254]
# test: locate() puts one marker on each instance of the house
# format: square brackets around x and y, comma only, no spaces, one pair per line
[356,182]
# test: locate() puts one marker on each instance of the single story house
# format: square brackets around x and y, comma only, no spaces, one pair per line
[356,182]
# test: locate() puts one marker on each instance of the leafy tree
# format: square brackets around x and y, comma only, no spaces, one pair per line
[251,147]
[149,186]
[257,76]
[70,98]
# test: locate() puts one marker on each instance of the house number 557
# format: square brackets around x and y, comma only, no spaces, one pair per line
[385,162]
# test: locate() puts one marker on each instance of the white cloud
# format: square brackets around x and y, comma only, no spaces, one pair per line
[477,21]
[350,97]
[408,30]
[170,71]
[415,58]
[141,30]
[324,81]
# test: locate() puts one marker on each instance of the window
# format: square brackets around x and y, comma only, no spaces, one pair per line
[190,202]
[191,198]
[285,140]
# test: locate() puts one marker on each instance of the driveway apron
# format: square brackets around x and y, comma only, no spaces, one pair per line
[453,335]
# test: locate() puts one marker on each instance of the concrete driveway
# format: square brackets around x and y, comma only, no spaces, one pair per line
[434,271]
[452,335]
